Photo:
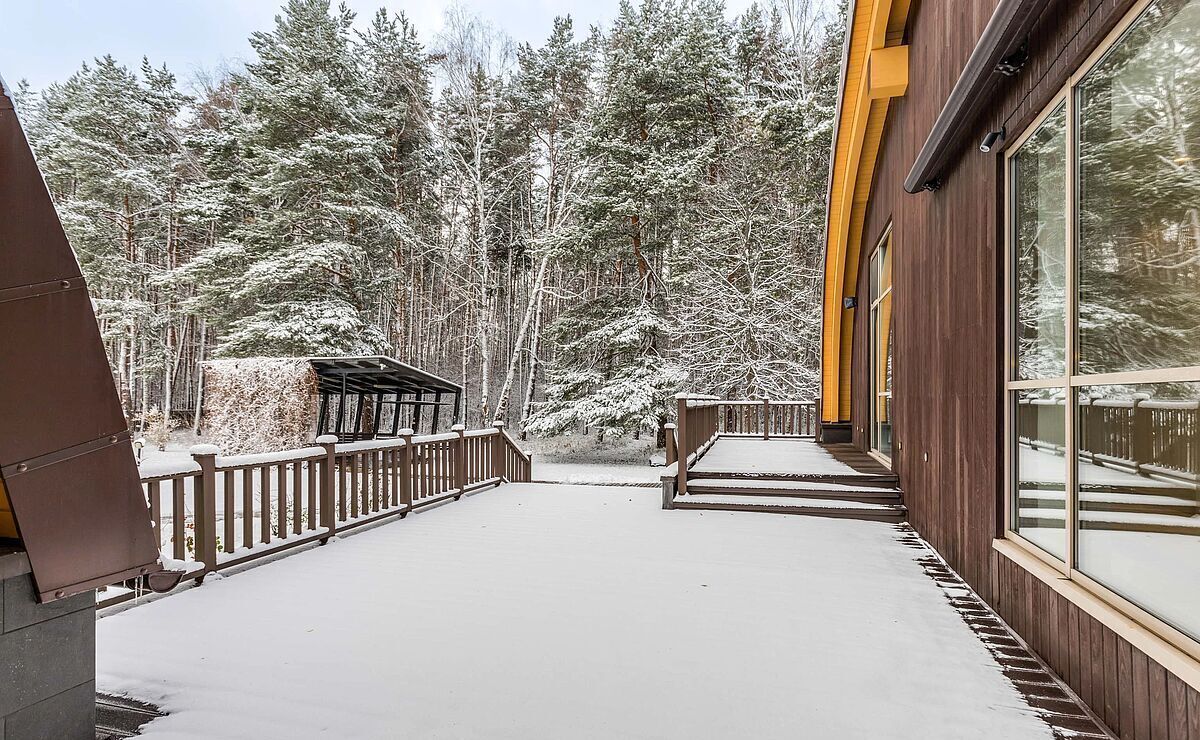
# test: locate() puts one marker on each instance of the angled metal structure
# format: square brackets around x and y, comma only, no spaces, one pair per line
[65,454]
[348,384]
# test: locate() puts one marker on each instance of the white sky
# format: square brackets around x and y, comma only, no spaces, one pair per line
[46,40]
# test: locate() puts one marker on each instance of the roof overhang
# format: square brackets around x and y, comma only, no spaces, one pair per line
[997,56]
[874,70]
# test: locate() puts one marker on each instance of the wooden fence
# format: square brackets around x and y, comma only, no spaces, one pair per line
[223,511]
[1139,433]
[700,420]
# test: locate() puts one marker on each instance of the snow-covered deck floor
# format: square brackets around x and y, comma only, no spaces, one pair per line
[544,611]
[755,456]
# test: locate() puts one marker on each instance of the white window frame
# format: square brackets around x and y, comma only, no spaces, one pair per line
[1130,619]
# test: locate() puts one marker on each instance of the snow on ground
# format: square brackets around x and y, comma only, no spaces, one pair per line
[582,459]
[538,611]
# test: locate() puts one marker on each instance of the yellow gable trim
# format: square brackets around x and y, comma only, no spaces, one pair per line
[872,53]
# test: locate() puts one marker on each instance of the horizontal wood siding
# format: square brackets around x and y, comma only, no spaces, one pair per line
[947,253]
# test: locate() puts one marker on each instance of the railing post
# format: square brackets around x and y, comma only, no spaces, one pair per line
[406,466]
[204,507]
[684,446]
[499,456]
[328,485]
[460,459]
[1142,449]
[766,418]
[672,450]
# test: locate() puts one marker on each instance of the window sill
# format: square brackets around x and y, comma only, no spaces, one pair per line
[1177,653]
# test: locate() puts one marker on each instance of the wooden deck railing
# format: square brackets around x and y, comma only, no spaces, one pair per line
[700,420]
[1161,437]
[220,511]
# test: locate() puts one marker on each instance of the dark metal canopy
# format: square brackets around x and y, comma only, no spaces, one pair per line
[373,397]
[377,375]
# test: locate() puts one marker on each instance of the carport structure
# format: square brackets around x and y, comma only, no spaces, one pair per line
[375,397]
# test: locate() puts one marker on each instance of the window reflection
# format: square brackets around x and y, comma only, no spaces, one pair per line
[1039,243]
[1139,511]
[1040,469]
[1139,197]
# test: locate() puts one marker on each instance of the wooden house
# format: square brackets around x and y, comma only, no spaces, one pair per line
[1012,319]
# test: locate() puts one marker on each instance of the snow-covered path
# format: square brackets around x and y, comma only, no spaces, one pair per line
[542,611]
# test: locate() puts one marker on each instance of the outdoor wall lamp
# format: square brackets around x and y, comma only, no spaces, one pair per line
[990,140]
[850,302]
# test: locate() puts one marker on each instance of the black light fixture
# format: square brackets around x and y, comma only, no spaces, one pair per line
[849,302]
[1010,65]
[991,139]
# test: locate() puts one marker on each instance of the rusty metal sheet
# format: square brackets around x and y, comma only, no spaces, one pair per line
[27,215]
[65,455]
[81,517]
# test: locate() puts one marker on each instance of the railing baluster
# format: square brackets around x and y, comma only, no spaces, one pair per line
[247,507]
[227,514]
[154,494]
[281,516]
[354,481]
[297,487]
[312,494]
[179,516]
[264,502]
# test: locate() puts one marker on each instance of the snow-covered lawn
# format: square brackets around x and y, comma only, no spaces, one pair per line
[541,611]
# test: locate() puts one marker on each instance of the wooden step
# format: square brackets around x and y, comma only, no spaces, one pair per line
[823,507]
[1162,502]
[793,489]
[1113,521]
[881,480]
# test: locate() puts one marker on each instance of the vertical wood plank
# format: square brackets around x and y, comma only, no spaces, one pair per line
[1157,692]
[227,512]
[264,503]
[1177,708]
[247,507]
[179,517]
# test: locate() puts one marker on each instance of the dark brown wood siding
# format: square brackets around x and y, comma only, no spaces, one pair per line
[947,260]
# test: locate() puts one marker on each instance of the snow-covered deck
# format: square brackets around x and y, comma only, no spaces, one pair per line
[551,611]
[755,456]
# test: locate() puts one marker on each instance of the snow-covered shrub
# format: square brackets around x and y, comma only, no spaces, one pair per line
[157,427]
[260,403]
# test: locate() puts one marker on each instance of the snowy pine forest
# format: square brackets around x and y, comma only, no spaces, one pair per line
[574,231]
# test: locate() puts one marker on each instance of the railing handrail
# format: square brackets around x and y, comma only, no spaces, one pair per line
[239,508]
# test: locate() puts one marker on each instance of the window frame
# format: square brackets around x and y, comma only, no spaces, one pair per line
[1066,570]
[872,353]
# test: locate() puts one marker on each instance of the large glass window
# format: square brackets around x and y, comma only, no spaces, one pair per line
[1139,197]
[1103,383]
[881,348]
[1039,239]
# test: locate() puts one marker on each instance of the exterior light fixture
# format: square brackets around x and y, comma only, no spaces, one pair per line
[850,302]
[991,139]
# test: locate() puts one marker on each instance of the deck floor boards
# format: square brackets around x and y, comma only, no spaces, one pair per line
[753,456]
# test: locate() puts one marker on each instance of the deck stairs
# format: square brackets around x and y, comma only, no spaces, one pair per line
[1154,509]
[855,488]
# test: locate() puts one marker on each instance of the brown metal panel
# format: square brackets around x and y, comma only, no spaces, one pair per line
[33,248]
[64,447]
[82,519]
[58,389]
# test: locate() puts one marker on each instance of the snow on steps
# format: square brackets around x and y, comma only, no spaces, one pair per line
[886,480]
[798,489]
[1114,521]
[1114,501]
[807,504]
